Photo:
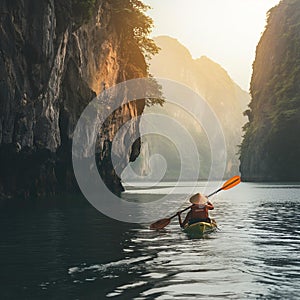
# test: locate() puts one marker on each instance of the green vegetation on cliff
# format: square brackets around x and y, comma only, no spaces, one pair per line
[134,27]
[130,19]
[271,145]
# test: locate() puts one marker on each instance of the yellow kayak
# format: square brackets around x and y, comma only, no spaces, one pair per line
[200,228]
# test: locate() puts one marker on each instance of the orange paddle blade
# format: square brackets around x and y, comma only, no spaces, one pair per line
[160,224]
[231,182]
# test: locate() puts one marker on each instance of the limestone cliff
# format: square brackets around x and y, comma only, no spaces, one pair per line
[271,147]
[55,57]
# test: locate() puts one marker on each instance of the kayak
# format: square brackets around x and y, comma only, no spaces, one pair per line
[200,228]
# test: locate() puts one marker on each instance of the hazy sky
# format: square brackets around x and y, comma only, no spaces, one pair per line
[227,31]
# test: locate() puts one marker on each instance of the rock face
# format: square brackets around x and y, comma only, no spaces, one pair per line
[213,83]
[271,147]
[52,64]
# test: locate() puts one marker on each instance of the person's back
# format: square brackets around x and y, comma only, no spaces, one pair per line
[200,212]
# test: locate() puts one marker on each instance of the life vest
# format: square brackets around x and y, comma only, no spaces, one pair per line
[199,212]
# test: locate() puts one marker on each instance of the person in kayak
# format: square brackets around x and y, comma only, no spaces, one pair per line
[198,212]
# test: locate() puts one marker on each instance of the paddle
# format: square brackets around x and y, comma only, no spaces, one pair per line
[162,223]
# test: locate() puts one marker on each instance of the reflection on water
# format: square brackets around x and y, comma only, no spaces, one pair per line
[277,231]
[70,251]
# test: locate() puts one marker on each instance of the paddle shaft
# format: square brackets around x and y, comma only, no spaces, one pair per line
[180,212]
[220,189]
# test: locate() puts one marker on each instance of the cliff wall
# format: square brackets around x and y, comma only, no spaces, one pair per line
[271,147]
[55,56]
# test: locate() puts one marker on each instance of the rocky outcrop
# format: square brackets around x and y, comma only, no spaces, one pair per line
[271,147]
[52,64]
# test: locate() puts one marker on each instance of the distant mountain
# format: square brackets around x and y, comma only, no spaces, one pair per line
[271,148]
[212,82]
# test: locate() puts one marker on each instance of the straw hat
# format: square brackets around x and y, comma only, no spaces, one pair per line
[198,199]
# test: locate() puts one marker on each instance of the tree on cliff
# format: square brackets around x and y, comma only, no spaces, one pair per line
[130,19]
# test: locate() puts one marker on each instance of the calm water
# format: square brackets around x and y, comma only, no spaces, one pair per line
[68,250]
